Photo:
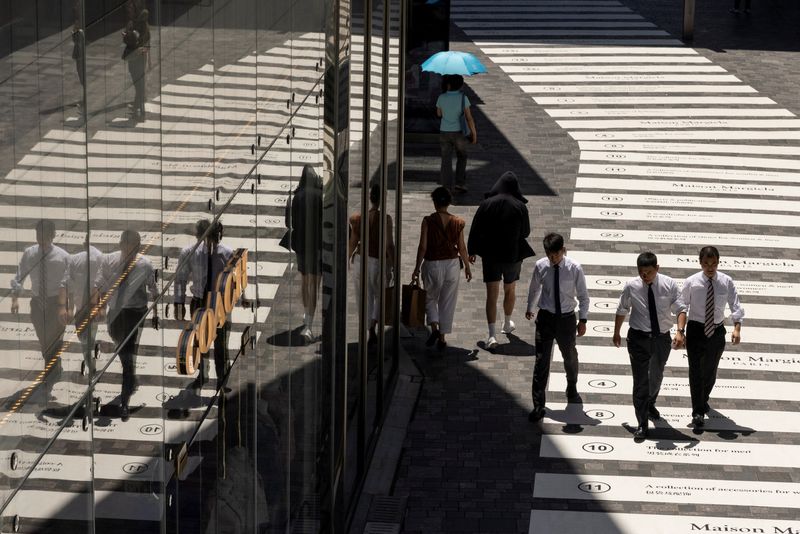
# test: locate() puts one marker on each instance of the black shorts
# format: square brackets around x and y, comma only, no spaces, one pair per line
[494,272]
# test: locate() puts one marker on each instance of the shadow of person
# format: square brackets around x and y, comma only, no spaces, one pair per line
[725,427]
[288,338]
[573,415]
[515,347]
[664,434]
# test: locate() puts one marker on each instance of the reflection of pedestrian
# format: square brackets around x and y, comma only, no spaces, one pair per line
[81,273]
[498,235]
[46,264]
[304,218]
[209,257]
[354,251]
[557,282]
[704,296]
[137,45]
[651,298]
[453,106]
[126,278]
[79,45]
[441,243]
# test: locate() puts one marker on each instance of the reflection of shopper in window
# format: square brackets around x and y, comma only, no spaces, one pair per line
[373,260]
[210,257]
[46,264]
[137,45]
[126,279]
[453,106]
[81,272]
[304,217]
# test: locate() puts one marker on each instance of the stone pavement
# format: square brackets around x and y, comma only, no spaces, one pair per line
[471,460]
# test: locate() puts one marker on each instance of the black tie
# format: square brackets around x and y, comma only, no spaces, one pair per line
[556,291]
[43,281]
[651,307]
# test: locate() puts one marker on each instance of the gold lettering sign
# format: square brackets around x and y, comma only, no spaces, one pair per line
[187,354]
[196,339]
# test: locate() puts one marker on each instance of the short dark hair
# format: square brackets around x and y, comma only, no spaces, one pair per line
[46,229]
[646,259]
[131,238]
[441,197]
[200,227]
[375,194]
[553,242]
[215,233]
[709,252]
[452,82]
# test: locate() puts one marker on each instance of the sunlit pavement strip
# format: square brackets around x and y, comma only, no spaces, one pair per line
[676,128]
[565,522]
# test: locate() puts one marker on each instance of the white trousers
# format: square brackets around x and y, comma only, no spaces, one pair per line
[440,278]
[373,285]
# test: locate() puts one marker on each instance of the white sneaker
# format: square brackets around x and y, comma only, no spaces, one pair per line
[491,343]
[508,327]
[307,334]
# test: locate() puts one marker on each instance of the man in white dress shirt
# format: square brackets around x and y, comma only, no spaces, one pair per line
[74,302]
[46,264]
[651,298]
[556,283]
[202,266]
[704,295]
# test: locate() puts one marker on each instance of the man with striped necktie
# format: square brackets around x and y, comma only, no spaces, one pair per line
[704,295]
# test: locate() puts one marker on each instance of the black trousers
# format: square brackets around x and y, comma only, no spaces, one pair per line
[551,328]
[648,357]
[136,67]
[127,320]
[50,333]
[704,354]
[220,348]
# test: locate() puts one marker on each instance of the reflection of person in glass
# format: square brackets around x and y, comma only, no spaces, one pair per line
[210,257]
[74,299]
[137,45]
[441,244]
[46,264]
[125,278]
[373,260]
[304,217]
[79,48]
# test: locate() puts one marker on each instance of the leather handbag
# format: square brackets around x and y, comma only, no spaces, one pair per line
[413,309]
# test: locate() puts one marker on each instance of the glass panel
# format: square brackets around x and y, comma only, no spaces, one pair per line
[57,495]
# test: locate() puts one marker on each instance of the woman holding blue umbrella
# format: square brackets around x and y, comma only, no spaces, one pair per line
[457,125]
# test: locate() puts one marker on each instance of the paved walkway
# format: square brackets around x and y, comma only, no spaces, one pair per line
[625,140]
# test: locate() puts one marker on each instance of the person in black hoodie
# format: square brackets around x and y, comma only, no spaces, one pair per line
[304,218]
[499,236]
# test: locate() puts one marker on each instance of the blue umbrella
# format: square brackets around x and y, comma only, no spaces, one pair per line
[453,62]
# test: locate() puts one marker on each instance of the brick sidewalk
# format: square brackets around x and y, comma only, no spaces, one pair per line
[470,455]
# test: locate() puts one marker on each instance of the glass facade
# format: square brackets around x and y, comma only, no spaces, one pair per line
[198,297]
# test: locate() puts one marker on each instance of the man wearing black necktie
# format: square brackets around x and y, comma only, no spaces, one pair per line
[652,299]
[704,296]
[556,283]
[46,264]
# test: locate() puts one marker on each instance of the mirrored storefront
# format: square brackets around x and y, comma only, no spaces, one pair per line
[198,305]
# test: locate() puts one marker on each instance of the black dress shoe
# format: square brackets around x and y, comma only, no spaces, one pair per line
[653,413]
[536,415]
[432,338]
[641,433]
[697,421]
[441,345]
[572,391]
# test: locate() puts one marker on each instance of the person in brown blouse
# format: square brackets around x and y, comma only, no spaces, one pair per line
[354,250]
[441,253]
